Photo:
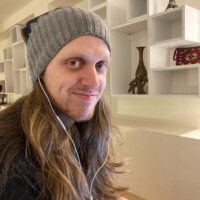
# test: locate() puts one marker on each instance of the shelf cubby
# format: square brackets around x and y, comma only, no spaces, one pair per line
[15,33]
[136,8]
[157,61]
[167,26]
[7,54]
[113,12]
[176,27]
[175,81]
[23,82]
[116,12]
[125,57]
[9,76]
[18,52]
[1,67]
[101,10]
[156,6]
[20,81]
[16,76]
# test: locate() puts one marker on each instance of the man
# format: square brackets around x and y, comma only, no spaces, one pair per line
[55,142]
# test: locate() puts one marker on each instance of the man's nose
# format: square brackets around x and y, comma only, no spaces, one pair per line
[90,77]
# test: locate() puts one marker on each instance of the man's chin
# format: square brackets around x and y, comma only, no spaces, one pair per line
[81,116]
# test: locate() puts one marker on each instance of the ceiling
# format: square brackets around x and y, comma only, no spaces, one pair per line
[8,7]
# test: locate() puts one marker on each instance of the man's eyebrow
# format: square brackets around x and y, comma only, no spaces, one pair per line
[84,56]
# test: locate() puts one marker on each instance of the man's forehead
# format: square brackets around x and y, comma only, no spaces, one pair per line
[87,46]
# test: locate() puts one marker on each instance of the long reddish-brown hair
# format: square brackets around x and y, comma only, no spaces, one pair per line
[52,150]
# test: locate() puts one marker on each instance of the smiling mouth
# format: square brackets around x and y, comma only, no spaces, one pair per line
[86,96]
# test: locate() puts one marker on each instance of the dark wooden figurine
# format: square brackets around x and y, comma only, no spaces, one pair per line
[171,4]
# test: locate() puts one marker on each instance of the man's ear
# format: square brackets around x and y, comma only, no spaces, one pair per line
[42,75]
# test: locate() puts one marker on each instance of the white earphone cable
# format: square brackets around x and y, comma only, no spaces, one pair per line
[64,128]
[61,123]
[109,128]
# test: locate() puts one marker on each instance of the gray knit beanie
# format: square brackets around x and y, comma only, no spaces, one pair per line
[47,34]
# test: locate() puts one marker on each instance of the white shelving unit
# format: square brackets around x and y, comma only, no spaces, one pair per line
[20,76]
[175,28]
[123,64]
[14,75]
[161,32]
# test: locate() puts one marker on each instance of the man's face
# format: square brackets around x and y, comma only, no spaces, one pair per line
[76,77]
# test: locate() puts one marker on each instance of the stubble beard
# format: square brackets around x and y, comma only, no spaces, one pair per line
[78,115]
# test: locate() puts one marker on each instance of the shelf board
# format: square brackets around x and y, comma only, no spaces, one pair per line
[174,43]
[129,95]
[138,18]
[176,68]
[175,95]
[19,69]
[135,25]
[17,43]
[155,95]
[8,93]
[22,69]
[170,15]
[98,7]
[8,60]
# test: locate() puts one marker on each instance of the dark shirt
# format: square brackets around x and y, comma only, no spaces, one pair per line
[23,183]
[23,179]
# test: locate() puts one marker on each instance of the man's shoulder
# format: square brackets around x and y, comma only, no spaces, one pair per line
[24,181]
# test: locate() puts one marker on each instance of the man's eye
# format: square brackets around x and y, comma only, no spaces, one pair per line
[74,63]
[101,66]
